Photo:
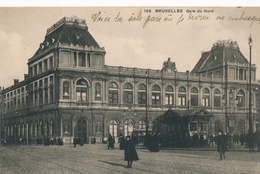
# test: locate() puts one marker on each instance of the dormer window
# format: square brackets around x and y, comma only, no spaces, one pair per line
[215,57]
[234,55]
[77,36]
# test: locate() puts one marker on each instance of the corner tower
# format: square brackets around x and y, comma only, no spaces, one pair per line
[71,45]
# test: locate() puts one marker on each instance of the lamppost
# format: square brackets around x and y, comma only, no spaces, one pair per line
[129,119]
[250,43]
[230,101]
[146,106]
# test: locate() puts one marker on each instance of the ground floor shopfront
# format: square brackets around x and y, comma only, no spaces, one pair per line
[99,123]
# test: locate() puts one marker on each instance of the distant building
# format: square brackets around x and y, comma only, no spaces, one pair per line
[69,91]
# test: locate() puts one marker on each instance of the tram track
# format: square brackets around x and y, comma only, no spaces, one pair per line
[46,160]
[15,164]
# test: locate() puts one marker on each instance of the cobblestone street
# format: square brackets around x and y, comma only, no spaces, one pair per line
[97,159]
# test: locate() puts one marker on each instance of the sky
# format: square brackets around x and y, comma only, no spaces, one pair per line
[131,42]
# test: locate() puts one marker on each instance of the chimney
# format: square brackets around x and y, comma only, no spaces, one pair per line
[26,76]
[16,81]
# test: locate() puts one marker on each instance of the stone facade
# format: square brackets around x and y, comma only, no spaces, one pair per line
[69,91]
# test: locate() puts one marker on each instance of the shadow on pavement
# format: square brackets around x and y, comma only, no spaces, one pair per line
[111,163]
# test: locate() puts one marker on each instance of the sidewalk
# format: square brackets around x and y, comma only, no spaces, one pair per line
[237,147]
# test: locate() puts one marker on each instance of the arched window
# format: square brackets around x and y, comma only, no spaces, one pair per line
[128,93]
[65,90]
[241,98]
[156,95]
[81,90]
[128,127]
[217,98]
[205,97]
[113,128]
[194,97]
[218,127]
[82,129]
[141,125]
[169,96]
[97,91]
[142,94]
[182,96]
[113,93]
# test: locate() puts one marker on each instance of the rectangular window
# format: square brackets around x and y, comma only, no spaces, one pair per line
[46,96]
[45,64]
[182,100]
[156,99]
[35,99]
[141,98]
[35,70]
[51,95]
[194,100]
[128,97]
[241,74]
[40,67]
[217,101]
[169,99]
[31,72]
[40,84]
[88,61]
[84,96]
[51,62]
[45,82]
[82,60]
[113,96]
[205,101]
[40,98]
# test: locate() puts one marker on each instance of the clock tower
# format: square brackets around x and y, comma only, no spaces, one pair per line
[169,67]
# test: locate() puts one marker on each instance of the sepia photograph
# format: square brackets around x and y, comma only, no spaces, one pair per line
[130,89]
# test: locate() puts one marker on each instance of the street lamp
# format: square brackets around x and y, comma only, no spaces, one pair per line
[250,43]
[146,106]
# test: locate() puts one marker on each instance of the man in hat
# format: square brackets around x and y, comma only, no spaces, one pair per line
[130,152]
[221,144]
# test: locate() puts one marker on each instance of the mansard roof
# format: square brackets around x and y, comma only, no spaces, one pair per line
[221,52]
[68,31]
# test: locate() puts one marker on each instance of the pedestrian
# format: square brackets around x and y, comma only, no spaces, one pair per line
[221,144]
[211,139]
[130,152]
[110,141]
[75,141]
[121,141]
[201,140]
[154,143]
[242,139]
[93,140]
[81,141]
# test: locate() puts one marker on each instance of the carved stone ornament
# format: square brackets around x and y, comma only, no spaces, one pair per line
[169,66]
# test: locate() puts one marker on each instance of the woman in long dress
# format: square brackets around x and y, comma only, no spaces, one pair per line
[130,152]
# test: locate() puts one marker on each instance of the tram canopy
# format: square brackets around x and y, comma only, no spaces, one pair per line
[183,116]
[169,117]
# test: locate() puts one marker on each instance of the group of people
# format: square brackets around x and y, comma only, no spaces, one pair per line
[79,141]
